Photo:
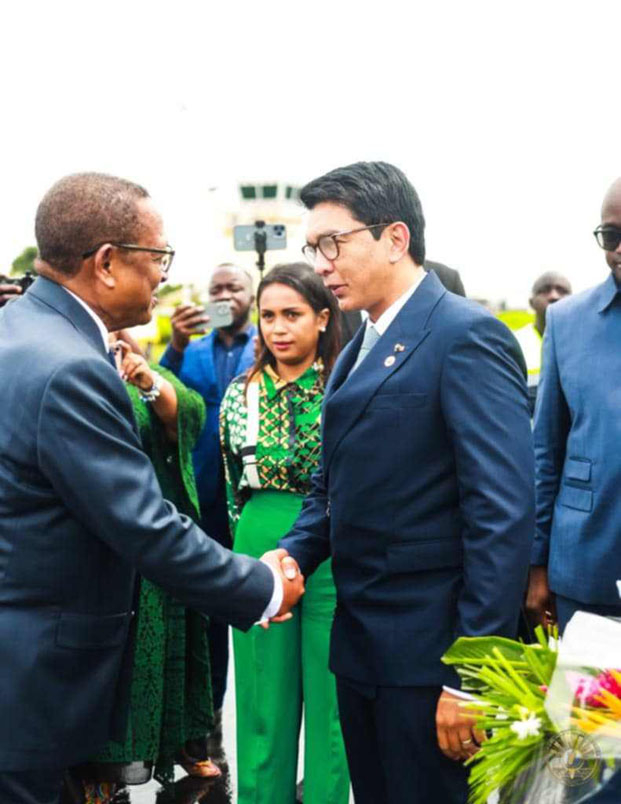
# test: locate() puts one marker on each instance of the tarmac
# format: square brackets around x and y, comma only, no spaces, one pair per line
[187,790]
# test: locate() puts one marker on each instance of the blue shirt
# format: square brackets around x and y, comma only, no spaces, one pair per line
[227,359]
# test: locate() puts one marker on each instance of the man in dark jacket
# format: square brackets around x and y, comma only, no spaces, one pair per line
[425,494]
[80,506]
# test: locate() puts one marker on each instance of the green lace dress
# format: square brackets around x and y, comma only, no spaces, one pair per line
[170,699]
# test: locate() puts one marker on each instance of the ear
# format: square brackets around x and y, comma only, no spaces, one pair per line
[530,301]
[323,317]
[104,261]
[399,241]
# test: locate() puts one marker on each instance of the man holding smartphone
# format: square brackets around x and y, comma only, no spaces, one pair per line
[208,365]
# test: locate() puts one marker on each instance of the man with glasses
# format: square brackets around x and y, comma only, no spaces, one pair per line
[577,549]
[425,498]
[80,506]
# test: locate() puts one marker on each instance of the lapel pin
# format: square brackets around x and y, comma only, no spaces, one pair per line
[389,361]
[399,347]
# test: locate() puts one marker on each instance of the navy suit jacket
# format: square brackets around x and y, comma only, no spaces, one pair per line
[196,368]
[80,508]
[425,498]
[578,446]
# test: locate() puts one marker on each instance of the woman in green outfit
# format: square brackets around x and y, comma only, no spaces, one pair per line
[270,432]
[170,709]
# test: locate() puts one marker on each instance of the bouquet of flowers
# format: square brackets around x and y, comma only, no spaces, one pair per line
[552,711]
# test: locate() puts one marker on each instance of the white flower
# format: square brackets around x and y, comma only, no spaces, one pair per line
[527,728]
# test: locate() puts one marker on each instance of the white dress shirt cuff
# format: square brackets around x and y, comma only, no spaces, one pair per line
[273,607]
[459,693]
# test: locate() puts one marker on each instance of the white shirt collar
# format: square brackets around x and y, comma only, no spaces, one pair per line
[100,324]
[389,315]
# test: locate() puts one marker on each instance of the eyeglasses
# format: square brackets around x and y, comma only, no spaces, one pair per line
[328,245]
[608,237]
[164,263]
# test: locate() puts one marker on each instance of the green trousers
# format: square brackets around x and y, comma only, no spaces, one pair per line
[283,671]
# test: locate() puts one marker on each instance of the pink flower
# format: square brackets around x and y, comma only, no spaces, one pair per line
[608,682]
[587,689]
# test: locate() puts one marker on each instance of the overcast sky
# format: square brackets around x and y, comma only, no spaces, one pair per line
[505,116]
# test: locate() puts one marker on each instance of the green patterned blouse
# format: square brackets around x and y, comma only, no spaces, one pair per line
[288,443]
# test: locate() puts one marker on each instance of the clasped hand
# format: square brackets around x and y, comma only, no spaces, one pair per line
[458,736]
[292,583]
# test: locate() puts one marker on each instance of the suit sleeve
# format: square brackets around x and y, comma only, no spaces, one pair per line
[552,424]
[485,405]
[172,360]
[309,539]
[90,453]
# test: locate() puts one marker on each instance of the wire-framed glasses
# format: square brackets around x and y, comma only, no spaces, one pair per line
[167,253]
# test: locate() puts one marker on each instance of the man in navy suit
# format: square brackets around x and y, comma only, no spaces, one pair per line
[425,496]
[208,365]
[577,549]
[80,506]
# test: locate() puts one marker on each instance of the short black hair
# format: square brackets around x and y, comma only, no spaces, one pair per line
[231,266]
[374,192]
[547,278]
[300,277]
[82,210]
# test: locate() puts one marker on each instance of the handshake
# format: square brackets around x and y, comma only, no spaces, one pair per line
[286,567]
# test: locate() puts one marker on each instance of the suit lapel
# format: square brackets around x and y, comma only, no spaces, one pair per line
[346,360]
[347,397]
[54,295]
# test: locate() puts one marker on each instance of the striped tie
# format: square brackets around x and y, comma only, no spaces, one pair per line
[371,337]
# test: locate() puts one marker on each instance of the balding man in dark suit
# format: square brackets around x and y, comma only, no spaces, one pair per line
[80,506]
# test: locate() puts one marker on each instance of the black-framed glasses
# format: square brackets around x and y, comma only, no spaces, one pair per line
[328,244]
[164,263]
[608,237]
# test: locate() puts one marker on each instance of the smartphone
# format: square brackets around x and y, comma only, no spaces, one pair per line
[275,236]
[220,314]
